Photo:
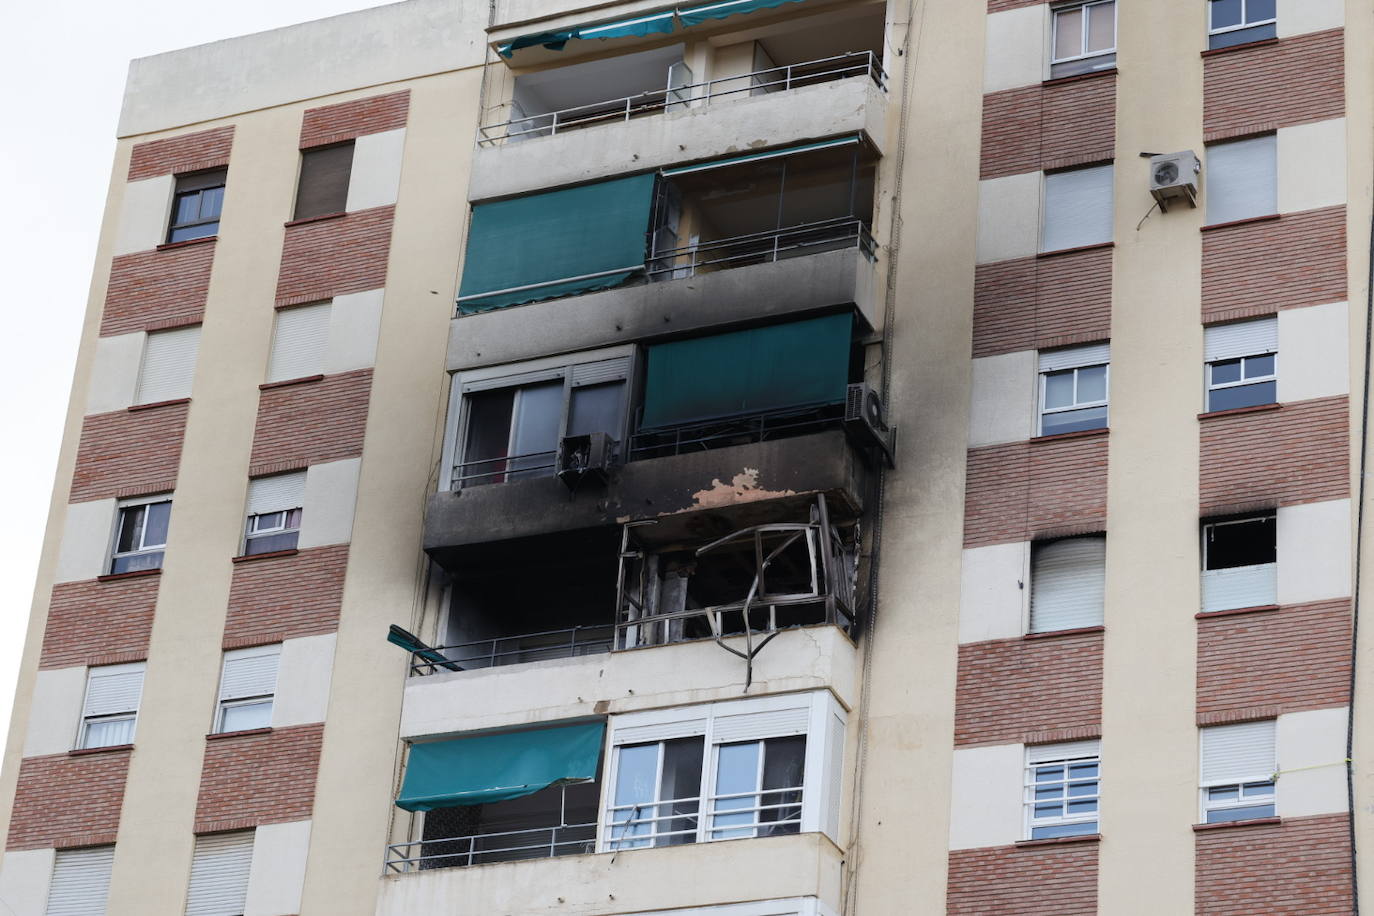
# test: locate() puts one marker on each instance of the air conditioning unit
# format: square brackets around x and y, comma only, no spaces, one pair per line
[586,457]
[1173,176]
[865,420]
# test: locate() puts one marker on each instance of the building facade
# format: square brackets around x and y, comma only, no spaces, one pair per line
[750,458]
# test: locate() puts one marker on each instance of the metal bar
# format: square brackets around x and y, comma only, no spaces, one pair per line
[528,286]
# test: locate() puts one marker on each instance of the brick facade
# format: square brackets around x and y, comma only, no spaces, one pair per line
[1049,126]
[1017,690]
[258,778]
[157,289]
[1258,268]
[1298,868]
[1049,487]
[346,254]
[129,452]
[206,149]
[1297,453]
[1055,880]
[312,422]
[99,623]
[63,800]
[336,123]
[1291,81]
[283,597]
[1038,303]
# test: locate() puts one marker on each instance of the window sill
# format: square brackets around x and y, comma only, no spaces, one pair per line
[323,217]
[1261,43]
[1266,218]
[1074,631]
[1239,411]
[1236,611]
[136,574]
[1078,77]
[154,405]
[1076,434]
[1234,825]
[168,246]
[1059,841]
[1061,251]
[271,555]
[288,382]
[92,751]
[219,736]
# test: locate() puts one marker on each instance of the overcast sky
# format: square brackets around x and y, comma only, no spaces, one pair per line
[64,67]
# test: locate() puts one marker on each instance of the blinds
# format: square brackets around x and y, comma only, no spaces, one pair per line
[661,731]
[1078,208]
[1241,179]
[249,673]
[114,689]
[773,723]
[1238,753]
[275,493]
[1240,586]
[1068,582]
[1242,338]
[1067,750]
[1073,357]
[299,342]
[606,370]
[219,874]
[324,180]
[80,882]
[169,363]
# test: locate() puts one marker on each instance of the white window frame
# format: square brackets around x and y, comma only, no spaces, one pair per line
[257,529]
[1051,363]
[1055,59]
[1061,754]
[124,504]
[1245,381]
[1267,570]
[131,715]
[1244,20]
[1239,781]
[224,703]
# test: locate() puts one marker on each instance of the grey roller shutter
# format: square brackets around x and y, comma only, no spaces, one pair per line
[114,689]
[325,174]
[80,882]
[249,673]
[1068,583]
[169,365]
[1238,753]
[219,874]
[1241,338]
[1078,209]
[276,493]
[299,342]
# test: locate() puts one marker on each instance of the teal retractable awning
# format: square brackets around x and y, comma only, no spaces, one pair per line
[494,768]
[794,365]
[766,154]
[696,15]
[555,244]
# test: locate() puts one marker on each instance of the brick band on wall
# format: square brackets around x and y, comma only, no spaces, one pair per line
[1027,881]
[1301,866]
[99,622]
[1303,263]
[264,778]
[1013,690]
[1037,303]
[1047,127]
[123,451]
[157,289]
[284,597]
[313,422]
[347,120]
[335,256]
[206,149]
[1292,81]
[1023,490]
[65,801]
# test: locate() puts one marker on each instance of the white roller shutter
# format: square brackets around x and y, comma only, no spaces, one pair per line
[114,689]
[1068,584]
[249,673]
[773,723]
[1240,586]
[1066,750]
[1241,179]
[169,364]
[275,493]
[299,342]
[641,734]
[219,874]
[606,370]
[1238,753]
[80,882]
[1074,357]
[1078,209]
[1241,338]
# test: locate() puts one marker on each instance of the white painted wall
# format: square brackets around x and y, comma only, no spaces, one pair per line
[58,695]
[993,597]
[1003,408]
[1008,217]
[376,175]
[1299,16]
[24,878]
[1314,551]
[985,796]
[354,321]
[1016,50]
[303,677]
[277,874]
[331,494]
[114,372]
[1311,750]
[1314,352]
[144,214]
[85,551]
[1311,166]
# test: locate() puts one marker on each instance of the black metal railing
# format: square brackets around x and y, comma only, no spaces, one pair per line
[763,247]
[485,848]
[744,430]
[514,650]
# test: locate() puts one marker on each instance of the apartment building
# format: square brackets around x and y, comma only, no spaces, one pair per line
[746,458]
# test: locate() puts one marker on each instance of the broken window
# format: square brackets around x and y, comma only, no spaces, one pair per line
[1239,563]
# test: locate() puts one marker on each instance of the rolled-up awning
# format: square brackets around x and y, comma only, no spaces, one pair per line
[494,768]
[695,15]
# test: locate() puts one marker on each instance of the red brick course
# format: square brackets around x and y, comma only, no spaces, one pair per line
[1021,491]
[1300,867]
[126,451]
[1258,268]
[1292,81]
[1048,127]
[335,256]
[1293,659]
[259,778]
[151,289]
[312,422]
[336,123]
[1037,303]
[206,149]
[68,801]
[95,622]
[1014,690]
[284,597]
[1059,880]
[1299,453]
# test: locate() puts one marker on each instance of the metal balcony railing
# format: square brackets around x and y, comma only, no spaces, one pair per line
[766,812]
[763,247]
[514,650]
[484,848]
[677,98]
[499,470]
[728,431]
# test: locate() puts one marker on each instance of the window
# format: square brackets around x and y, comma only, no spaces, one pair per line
[1239,563]
[298,343]
[1242,361]
[1078,208]
[80,882]
[1238,772]
[246,685]
[141,536]
[1068,582]
[1073,389]
[1241,179]
[274,513]
[196,206]
[1061,793]
[219,874]
[1236,22]
[110,712]
[169,362]
[1084,38]
[323,186]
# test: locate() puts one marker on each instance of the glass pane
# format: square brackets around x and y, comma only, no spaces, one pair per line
[1226,815]
[1047,774]
[1245,543]
[681,787]
[1223,793]
[203,230]
[1101,27]
[245,716]
[1258,788]
[187,208]
[269,543]
[784,767]
[293,518]
[1043,793]
[1080,808]
[1225,370]
[596,409]
[1092,384]
[1068,33]
[1256,366]
[130,529]
[1225,13]
[1080,789]
[488,436]
[1048,810]
[268,521]
[1242,396]
[538,410]
[211,200]
[1059,389]
[137,561]
[1057,830]
[109,732]
[1072,421]
[737,771]
[1259,10]
[634,785]
[155,530]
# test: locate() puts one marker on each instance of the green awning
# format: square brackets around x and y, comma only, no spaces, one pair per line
[794,365]
[556,244]
[494,768]
[698,14]
[766,154]
[640,26]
